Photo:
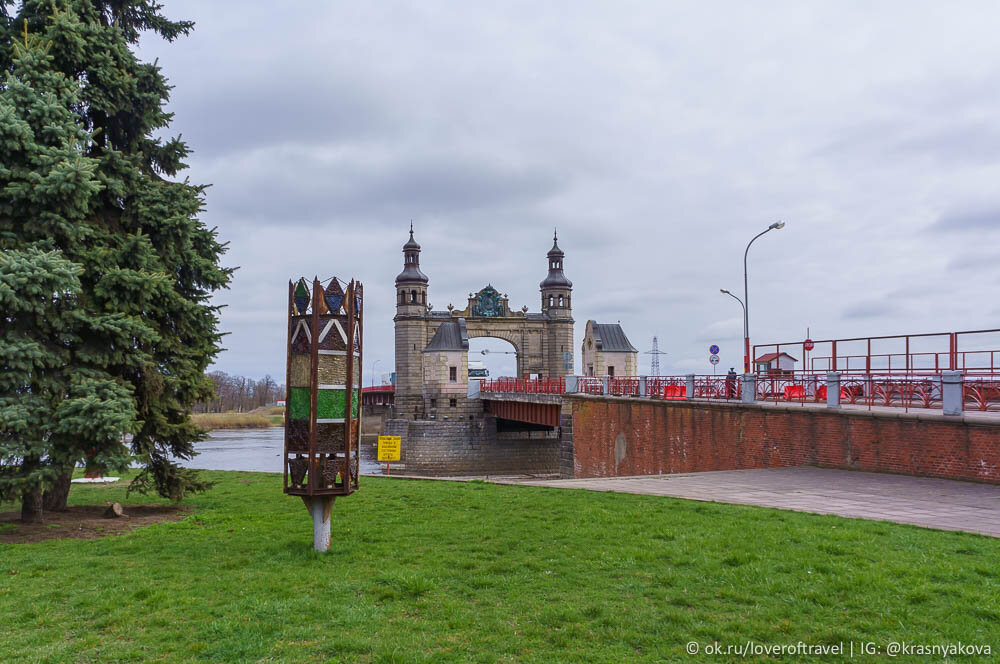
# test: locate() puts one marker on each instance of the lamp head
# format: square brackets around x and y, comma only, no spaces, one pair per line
[778,225]
[723,290]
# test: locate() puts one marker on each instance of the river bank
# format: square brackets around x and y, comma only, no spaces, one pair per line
[258,450]
[258,418]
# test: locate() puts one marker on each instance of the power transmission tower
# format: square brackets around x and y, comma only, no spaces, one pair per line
[654,363]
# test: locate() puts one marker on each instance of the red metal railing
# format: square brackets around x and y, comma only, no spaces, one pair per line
[970,351]
[792,387]
[982,391]
[524,385]
[894,390]
[379,388]
[716,387]
[656,386]
[623,386]
[590,385]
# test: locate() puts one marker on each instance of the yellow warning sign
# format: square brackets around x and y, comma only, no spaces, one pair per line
[388,448]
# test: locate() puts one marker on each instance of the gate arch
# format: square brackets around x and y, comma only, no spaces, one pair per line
[432,346]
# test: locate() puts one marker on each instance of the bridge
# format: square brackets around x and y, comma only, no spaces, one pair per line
[951,392]
[893,404]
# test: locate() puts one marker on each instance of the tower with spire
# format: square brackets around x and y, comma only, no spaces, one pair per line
[411,332]
[557,291]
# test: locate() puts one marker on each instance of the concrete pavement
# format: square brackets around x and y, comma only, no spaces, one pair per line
[920,501]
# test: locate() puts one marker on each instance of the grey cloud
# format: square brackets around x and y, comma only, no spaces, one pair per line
[658,155]
[869,309]
[977,220]
[306,186]
[959,143]
[978,262]
[234,115]
[975,143]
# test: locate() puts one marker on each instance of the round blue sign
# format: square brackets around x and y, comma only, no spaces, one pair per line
[713,349]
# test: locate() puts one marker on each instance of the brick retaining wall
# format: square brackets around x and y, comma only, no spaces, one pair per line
[619,437]
[473,447]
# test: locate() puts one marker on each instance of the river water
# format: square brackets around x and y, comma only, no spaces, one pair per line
[257,450]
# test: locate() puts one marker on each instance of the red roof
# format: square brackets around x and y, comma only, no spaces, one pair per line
[770,357]
[379,388]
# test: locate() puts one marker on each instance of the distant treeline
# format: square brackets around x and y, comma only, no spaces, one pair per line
[240,394]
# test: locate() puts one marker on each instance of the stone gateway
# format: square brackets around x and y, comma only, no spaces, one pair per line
[444,430]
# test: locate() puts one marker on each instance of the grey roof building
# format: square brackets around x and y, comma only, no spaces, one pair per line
[607,351]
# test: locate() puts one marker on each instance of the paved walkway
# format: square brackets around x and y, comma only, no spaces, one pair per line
[921,501]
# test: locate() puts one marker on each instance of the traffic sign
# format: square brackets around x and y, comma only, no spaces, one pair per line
[714,359]
[808,344]
[713,349]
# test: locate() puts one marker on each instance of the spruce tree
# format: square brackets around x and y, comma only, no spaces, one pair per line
[145,256]
[57,399]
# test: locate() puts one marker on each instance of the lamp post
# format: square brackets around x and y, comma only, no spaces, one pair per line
[723,290]
[373,371]
[778,225]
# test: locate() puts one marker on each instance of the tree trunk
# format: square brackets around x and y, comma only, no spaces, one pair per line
[31,506]
[54,499]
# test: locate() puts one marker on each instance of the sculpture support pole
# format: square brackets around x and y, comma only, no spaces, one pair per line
[319,507]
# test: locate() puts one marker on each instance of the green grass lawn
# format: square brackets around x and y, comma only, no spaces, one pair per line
[423,571]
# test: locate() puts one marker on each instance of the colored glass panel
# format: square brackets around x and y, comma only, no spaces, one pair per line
[330,404]
[301,296]
[334,295]
[298,403]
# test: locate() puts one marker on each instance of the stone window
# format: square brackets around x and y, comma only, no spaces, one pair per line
[452,402]
[434,403]
[611,371]
[453,374]
[560,300]
[413,295]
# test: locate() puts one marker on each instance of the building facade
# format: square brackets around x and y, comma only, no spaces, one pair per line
[607,351]
[432,370]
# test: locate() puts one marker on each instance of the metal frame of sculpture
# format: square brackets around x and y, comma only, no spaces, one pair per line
[323,396]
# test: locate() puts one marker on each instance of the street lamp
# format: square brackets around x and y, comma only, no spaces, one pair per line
[778,225]
[723,290]
[373,371]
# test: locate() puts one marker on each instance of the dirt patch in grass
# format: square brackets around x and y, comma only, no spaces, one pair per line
[85,522]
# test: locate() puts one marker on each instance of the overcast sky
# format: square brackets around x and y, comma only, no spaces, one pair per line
[659,137]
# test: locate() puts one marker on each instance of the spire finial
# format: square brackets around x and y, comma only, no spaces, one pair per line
[555,234]
[411,229]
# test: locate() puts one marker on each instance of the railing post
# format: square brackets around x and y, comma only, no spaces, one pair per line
[689,386]
[606,385]
[952,396]
[571,385]
[749,391]
[833,389]
[642,386]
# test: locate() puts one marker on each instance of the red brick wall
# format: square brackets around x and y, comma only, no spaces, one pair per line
[662,437]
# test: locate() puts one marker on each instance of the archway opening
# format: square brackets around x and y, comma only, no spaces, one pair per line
[491,357]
